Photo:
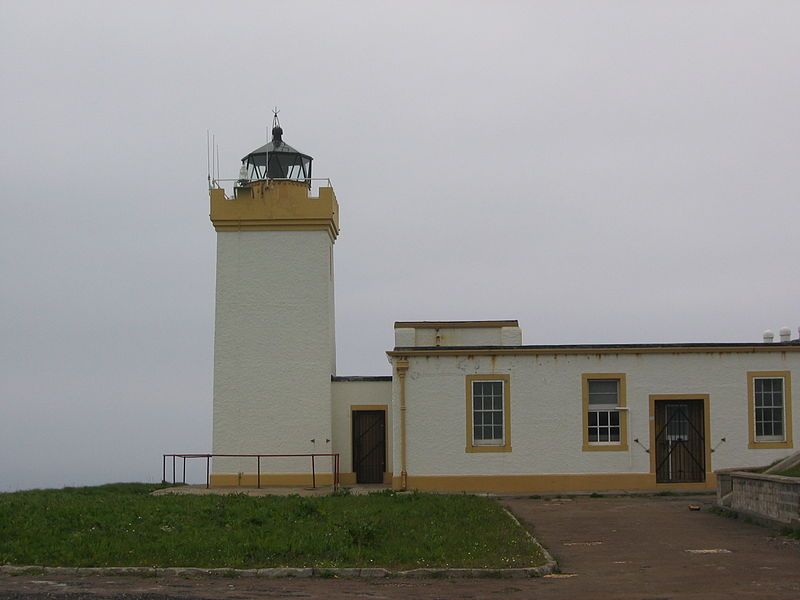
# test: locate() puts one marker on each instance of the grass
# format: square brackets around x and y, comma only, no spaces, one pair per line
[793,472]
[123,525]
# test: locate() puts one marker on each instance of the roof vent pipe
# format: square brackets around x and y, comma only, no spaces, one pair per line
[769,337]
[786,334]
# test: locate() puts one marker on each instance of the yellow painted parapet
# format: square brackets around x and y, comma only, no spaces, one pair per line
[275,205]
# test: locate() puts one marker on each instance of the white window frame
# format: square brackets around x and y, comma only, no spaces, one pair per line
[769,438]
[493,441]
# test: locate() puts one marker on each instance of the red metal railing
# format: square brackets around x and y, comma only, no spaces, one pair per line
[334,456]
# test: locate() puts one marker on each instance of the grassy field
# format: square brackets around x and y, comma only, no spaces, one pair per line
[123,525]
[793,472]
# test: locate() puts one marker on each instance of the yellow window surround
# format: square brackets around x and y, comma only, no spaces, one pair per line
[787,409]
[506,445]
[623,414]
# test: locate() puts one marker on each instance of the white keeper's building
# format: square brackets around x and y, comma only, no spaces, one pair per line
[468,406]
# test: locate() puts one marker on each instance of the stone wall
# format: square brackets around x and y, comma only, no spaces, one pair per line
[771,497]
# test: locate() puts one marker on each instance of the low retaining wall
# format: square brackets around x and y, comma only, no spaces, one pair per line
[771,497]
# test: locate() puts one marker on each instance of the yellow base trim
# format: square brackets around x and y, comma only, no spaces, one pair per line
[250,480]
[601,482]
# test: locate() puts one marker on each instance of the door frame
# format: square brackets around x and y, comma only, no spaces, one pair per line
[709,474]
[364,408]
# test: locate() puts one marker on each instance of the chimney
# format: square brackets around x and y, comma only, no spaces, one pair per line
[769,337]
[786,334]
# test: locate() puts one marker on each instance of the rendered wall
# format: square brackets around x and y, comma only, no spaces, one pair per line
[347,395]
[273,347]
[546,415]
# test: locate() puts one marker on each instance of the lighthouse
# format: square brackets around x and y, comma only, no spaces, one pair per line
[274,343]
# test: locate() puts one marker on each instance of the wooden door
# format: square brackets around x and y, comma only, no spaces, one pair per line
[369,445]
[680,441]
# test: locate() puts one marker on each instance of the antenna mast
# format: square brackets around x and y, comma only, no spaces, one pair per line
[208,158]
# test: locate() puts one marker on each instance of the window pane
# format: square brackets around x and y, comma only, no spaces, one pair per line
[603,417]
[487,411]
[614,418]
[604,435]
[603,392]
[769,405]
[603,386]
[592,419]
[614,434]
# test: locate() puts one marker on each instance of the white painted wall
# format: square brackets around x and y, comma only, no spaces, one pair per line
[546,410]
[347,394]
[457,336]
[274,349]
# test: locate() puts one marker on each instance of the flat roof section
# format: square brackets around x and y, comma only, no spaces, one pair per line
[454,324]
[361,377]
[677,348]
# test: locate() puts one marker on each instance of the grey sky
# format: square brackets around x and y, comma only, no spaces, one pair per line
[604,172]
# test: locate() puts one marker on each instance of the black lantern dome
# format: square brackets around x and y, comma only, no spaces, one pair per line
[277,159]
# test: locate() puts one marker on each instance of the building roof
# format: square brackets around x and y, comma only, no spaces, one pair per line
[361,377]
[676,348]
[271,147]
[454,324]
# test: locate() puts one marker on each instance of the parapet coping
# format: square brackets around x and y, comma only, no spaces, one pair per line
[761,476]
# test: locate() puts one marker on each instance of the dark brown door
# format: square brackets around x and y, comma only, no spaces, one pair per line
[680,441]
[369,445]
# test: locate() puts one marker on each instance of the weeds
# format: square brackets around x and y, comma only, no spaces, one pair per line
[123,525]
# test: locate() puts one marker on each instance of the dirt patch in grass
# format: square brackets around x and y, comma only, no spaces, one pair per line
[123,525]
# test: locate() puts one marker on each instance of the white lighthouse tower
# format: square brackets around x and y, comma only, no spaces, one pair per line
[274,346]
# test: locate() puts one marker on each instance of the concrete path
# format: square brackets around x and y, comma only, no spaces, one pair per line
[643,548]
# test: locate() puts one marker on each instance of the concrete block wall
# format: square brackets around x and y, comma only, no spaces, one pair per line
[771,497]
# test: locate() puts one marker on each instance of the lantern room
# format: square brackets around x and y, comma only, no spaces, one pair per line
[275,160]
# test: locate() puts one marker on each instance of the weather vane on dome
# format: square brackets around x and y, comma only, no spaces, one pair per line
[275,121]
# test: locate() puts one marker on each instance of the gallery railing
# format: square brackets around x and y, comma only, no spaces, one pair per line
[334,457]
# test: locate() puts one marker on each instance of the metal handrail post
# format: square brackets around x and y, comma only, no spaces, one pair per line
[208,461]
[313,473]
[163,468]
[258,472]
[184,470]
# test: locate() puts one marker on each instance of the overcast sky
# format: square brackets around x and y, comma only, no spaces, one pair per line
[601,171]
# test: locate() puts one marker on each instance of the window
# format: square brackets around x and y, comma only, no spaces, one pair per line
[488,409]
[769,408]
[604,416]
